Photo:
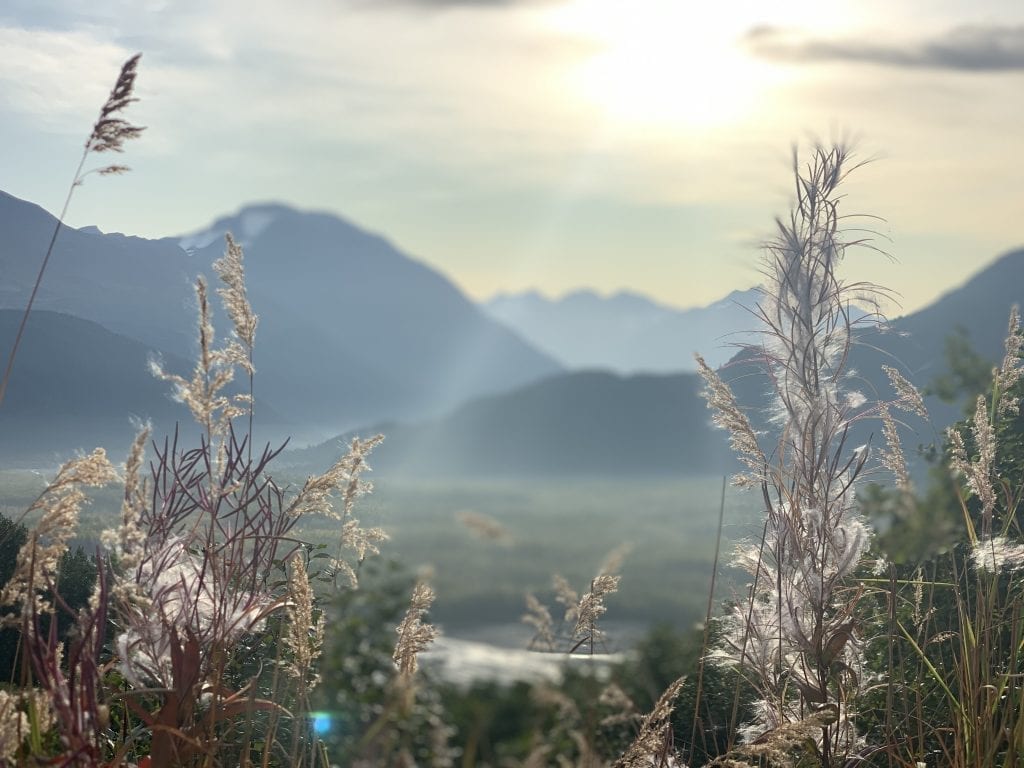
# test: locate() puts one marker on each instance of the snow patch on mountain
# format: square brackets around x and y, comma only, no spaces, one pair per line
[245,226]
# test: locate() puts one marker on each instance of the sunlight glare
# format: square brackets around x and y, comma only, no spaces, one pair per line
[664,61]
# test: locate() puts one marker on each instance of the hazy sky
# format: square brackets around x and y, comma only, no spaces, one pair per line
[633,144]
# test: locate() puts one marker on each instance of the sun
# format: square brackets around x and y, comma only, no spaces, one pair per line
[664,61]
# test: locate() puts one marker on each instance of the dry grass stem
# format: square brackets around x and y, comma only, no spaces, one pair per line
[59,504]
[414,635]
[109,133]
[728,415]
[305,633]
[652,745]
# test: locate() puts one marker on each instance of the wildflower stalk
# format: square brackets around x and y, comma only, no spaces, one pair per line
[796,635]
[230,270]
[109,133]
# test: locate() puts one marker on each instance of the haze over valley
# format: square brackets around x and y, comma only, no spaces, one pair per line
[580,386]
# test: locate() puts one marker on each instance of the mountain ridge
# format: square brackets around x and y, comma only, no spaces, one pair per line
[353,328]
[481,436]
[626,331]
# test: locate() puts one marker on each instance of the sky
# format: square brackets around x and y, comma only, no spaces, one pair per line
[637,145]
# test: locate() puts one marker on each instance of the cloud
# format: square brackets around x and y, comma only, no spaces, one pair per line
[52,75]
[963,48]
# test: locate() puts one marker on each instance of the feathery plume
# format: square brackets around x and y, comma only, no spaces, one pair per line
[484,527]
[413,634]
[127,541]
[60,502]
[305,634]
[776,746]
[14,725]
[236,302]
[908,396]
[617,700]
[793,635]
[362,541]
[977,472]
[109,133]
[184,598]
[539,617]
[566,596]
[1009,373]
[997,554]
[214,370]
[652,745]
[315,496]
[729,416]
[892,457]
[18,711]
[591,607]
[612,562]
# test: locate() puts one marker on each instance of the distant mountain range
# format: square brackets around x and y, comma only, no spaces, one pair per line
[627,332]
[605,423]
[354,333]
[352,330]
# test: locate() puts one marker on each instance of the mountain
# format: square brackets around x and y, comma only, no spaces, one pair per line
[600,423]
[586,423]
[915,345]
[76,385]
[354,326]
[627,332]
[133,286]
[352,330]
[981,307]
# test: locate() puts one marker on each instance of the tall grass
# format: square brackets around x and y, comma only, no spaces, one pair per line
[795,634]
[955,642]
[199,643]
[850,662]
[109,133]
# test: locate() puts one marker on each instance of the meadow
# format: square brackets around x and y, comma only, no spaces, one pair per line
[666,530]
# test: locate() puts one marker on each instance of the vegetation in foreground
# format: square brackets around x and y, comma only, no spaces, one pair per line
[204,631]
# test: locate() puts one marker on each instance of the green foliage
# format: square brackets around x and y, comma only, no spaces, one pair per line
[913,529]
[950,650]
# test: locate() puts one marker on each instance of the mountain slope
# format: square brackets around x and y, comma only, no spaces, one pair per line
[586,423]
[140,288]
[76,385]
[607,424]
[394,321]
[627,332]
[352,330]
[915,345]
